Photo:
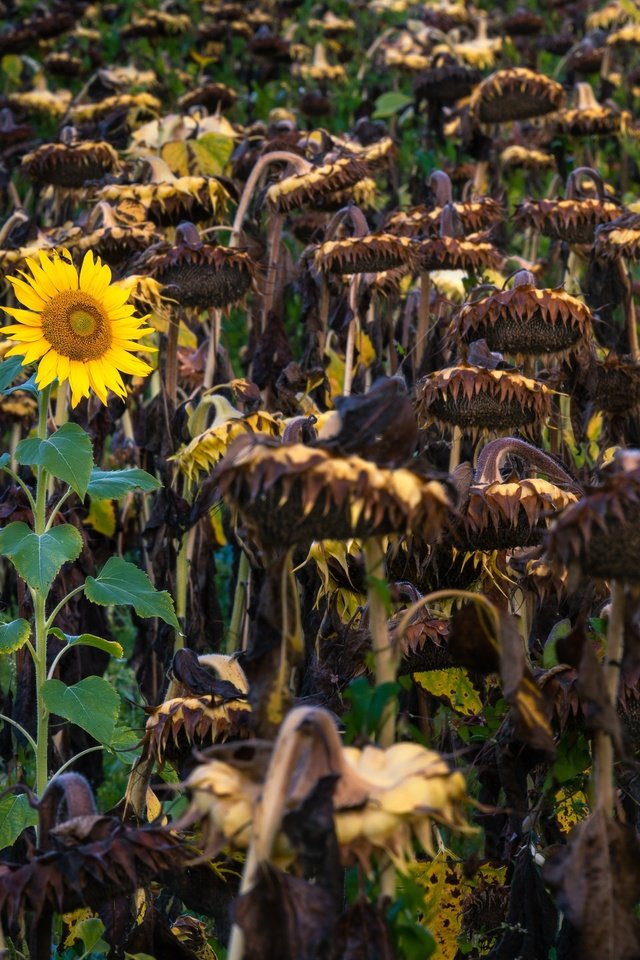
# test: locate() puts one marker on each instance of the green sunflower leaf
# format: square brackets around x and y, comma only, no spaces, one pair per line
[113,484]
[122,583]
[67,454]
[16,815]
[88,640]
[9,370]
[13,635]
[92,704]
[38,558]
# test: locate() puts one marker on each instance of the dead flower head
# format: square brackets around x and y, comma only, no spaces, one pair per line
[476,398]
[575,218]
[525,320]
[291,493]
[384,800]
[601,533]
[318,183]
[71,163]
[199,274]
[372,253]
[515,93]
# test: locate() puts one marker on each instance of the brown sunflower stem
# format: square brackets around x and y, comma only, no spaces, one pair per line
[630,312]
[276,156]
[603,744]
[274,237]
[236,627]
[351,335]
[212,349]
[423,317]
[456,447]
[385,659]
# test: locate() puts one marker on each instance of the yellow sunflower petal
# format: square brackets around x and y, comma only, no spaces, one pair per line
[96,380]
[30,352]
[115,297]
[26,294]
[45,285]
[27,334]
[128,363]
[79,382]
[47,369]
[24,316]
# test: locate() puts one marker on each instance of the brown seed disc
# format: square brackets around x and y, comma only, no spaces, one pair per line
[447,83]
[70,166]
[617,387]
[483,410]
[203,285]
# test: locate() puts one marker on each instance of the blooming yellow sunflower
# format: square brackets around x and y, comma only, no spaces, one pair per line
[78,325]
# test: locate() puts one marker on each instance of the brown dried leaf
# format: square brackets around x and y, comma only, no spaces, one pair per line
[597,880]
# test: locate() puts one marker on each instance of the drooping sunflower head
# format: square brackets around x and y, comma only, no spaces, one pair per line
[77,326]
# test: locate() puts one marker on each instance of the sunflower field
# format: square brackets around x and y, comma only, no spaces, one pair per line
[319,480]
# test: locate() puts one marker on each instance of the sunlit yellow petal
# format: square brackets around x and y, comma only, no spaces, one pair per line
[128,363]
[47,369]
[24,316]
[26,294]
[43,282]
[28,334]
[79,382]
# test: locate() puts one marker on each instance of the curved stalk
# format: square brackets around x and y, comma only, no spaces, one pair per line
[276,156]
[25,733]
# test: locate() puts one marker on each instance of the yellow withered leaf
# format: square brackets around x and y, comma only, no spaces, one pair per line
[446,888]
[207,156]
[102,517]
[454,687]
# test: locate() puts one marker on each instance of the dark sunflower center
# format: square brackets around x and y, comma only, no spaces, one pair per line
[76,325]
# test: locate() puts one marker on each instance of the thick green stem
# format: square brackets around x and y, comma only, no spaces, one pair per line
[183,565]
[40,622]
[236,626]
[384,655]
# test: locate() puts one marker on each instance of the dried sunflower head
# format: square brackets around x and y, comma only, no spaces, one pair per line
[617,385]
[207,448]
[291,493]
[372,253]
[445,80]
[473,254]
[170,199]
[156,23]
[422,221]
[475,398]
[71,164]
[506,514]
[198,274]
[601,533]
[320,182]
[383,799]
[40,101]
[525,320]
[320,69]
[118,232]
[181,723]
[575,218]
[619,238]
[212,96]
[526,158]
[139,106]
[515,93]
[588,118]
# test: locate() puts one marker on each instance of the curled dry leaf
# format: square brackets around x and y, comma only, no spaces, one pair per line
[597,882]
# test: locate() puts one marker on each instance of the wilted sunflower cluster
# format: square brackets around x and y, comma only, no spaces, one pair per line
[357,283]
